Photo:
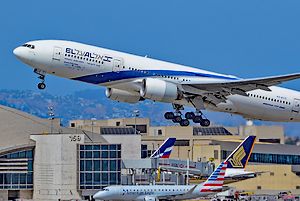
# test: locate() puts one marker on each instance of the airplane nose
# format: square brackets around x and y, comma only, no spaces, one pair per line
[97,196]
[100,195]
[19,52]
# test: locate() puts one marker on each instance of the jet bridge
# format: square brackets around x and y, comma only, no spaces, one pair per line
[164,171]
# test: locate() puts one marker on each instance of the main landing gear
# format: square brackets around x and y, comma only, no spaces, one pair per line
[177,117]
[41,76]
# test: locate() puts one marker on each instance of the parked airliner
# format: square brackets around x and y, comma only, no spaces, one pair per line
[129,78]
[237,159]
[212,185]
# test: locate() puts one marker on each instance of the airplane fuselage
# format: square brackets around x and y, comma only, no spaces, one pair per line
[151,192]
[121,71]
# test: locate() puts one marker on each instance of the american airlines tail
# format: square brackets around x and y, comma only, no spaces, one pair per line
[164,151]
[215,181]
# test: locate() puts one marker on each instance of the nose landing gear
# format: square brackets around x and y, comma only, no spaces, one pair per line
[41,76]
[196,117]
[41,85]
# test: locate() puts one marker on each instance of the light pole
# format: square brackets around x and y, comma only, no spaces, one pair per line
[51,117]
[188,167]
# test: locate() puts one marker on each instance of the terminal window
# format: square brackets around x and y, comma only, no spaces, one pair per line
[270,158]
[99,165]
[19,174]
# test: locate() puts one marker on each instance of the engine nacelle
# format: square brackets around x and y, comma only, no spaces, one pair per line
[122,95]
[150,198]
[159,90]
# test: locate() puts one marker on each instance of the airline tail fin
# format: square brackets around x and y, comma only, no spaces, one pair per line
[240,156]
[215,181]
[164,151]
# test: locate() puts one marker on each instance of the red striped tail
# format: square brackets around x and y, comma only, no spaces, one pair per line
[216,180]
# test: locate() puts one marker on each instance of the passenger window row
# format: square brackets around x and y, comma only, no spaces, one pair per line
[268,98]
[137,190]
[84,58]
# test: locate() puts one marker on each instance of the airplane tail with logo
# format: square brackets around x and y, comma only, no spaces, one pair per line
[164,151]
[215,181]
[238,159]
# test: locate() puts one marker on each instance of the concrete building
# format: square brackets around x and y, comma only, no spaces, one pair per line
[41,160]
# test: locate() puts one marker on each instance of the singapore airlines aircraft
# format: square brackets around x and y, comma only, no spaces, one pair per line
[129,78]
[212,185]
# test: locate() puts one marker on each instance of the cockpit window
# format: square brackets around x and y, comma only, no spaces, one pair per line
[28,45]
[106,189]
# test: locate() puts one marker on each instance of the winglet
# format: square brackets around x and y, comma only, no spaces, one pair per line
[240,156]
[164,151]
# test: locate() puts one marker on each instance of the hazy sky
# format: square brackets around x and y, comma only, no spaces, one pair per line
[244,38]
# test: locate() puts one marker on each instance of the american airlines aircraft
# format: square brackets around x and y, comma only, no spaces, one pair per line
[212,185]
[129,78]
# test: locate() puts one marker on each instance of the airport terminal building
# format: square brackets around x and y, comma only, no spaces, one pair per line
[41,160]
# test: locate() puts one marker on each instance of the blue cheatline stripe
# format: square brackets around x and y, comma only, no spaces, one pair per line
[121,75]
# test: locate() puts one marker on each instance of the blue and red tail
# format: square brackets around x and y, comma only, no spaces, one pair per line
[164,151]
[215,181]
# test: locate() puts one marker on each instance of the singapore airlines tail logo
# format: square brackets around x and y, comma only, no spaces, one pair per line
[236,160]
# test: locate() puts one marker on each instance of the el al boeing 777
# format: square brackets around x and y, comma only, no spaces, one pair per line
[130,78]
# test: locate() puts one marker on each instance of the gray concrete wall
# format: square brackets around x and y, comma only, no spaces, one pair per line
[55,166]
[3,195]
[131,145]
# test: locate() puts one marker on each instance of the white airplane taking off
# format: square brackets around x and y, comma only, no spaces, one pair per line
[129,78]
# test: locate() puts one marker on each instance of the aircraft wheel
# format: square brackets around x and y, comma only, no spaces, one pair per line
[41,85]
[205,123]
[184,122]
[177,119]
[169,115]
[197,119]
[190,115]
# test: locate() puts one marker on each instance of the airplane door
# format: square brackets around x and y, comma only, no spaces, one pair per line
[117,65]
[296,107]
[57,54]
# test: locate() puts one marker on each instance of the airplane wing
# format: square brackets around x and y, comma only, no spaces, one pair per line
[216,92]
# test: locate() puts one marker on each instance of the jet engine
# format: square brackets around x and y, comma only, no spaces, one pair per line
[122,95]
[159,90]
[149,198]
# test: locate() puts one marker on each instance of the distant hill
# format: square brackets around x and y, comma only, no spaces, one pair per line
[89,104]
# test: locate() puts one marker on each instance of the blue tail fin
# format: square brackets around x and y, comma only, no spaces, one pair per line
[164,151]
[240,156]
